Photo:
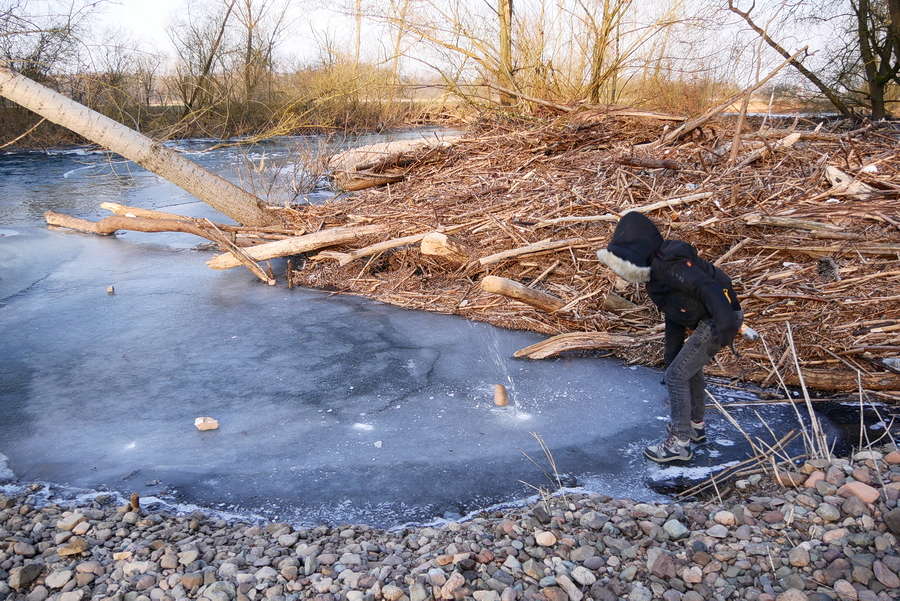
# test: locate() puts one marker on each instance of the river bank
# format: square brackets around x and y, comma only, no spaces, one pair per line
[834,537]
[815,261]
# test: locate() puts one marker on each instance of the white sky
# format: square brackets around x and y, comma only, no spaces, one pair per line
[147,21]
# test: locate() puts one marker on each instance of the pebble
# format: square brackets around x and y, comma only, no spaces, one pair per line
[544,538]
[768,544]
[58,579]
[675,529]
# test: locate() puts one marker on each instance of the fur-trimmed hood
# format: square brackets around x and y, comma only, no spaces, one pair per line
[633,245]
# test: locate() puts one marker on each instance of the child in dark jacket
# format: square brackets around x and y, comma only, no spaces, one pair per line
[692,294]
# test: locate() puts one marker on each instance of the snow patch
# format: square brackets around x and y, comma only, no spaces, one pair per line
[724,442]
[693,473]
[363,427]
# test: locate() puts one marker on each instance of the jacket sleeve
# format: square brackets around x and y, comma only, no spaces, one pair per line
[716,299]
[674,340]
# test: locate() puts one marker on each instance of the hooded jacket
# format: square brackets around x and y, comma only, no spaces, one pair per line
[685,287]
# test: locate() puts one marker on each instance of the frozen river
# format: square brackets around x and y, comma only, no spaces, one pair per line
[332,408]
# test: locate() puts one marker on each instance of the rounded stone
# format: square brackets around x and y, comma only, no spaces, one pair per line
[544,538]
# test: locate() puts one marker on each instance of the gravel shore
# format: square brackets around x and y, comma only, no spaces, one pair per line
[833,537]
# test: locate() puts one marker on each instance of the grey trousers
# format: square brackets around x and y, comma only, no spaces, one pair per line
[684,378]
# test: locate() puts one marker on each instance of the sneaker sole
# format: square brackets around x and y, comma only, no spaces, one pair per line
[668,459]
[698,439]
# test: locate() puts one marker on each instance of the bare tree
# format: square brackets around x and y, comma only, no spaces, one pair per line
[864,54]
[505,15]
[198,43]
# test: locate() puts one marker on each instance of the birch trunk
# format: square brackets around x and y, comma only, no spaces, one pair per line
[217,192]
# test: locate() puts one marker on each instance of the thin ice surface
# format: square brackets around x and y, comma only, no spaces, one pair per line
[333,409]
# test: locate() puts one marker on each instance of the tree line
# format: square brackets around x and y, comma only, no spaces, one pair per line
[226,71]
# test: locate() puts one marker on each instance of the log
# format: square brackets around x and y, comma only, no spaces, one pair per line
[110,225]
[757,154]
[528,249]
[240,254]
[579,341]
[373,249]
[212,189]
[609,217]
[846,184]
[127,211]
[298,244]
[515,290]
[378,164]
[789,222]
[820,379]
[886,250]
[672,202]
[437,244]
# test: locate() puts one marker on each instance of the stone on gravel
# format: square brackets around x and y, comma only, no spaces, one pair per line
[692,575]
[583,576]
[792,594]
[392,592]
[892,519]
[726,518]
[675,529]
[69,522]
[455,581]
[828,513]
[799,556]
[58,579]
[21,577]
[885,576]
[860,490]
[544,538]
[845,590]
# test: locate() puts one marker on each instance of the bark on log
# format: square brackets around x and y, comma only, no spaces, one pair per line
[373,249]
[127,211]
[110,225]
[515,290]
[298,244]
[216,191]
[672,202]
[437,244]
[827,380]
[579,341]
[528,249]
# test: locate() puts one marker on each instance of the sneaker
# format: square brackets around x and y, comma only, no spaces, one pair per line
[698,432]
[670,449]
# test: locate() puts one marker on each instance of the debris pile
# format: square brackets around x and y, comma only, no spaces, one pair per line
[805,222]
[503,225]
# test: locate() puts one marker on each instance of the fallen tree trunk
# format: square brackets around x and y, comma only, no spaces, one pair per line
[516,291]
[216,191]
[298,244]
[382,163]
[110,225]
[578,341]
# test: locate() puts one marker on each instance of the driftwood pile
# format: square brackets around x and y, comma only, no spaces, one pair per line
[807,223]
[503,225]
